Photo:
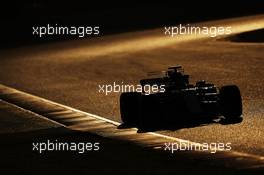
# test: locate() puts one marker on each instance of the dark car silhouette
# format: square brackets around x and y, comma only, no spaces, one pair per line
[180,101]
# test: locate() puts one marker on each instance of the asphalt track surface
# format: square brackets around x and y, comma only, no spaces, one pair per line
[70,72]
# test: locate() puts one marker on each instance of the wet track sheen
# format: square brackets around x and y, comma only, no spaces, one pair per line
[70,72]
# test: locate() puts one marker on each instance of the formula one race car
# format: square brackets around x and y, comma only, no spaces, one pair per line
[179,100]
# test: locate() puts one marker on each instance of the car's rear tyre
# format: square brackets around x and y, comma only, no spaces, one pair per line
[129,108]
[149,111]
[231,102]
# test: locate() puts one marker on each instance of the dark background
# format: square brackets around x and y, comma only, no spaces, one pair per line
[17,18]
